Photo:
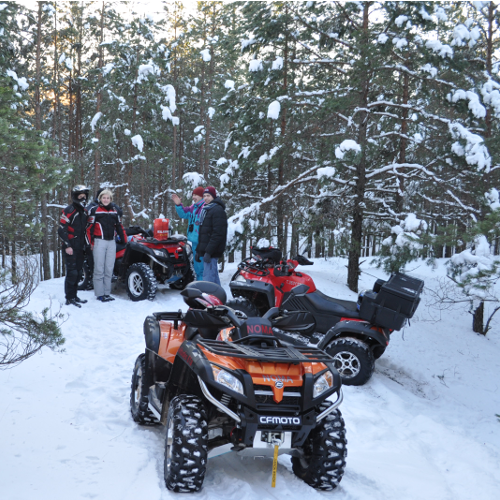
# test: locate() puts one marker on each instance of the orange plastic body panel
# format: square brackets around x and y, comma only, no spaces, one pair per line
[161,229]
[289,374]
[268,373]
[170,340]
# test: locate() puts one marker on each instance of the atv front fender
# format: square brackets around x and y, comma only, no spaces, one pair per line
[358,329]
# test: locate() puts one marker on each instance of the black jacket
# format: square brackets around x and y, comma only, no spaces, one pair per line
[95,203]
[213,229]
[72,227]
[103,221]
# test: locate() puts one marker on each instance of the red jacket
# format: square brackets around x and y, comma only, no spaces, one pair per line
[72,227]
[103,222]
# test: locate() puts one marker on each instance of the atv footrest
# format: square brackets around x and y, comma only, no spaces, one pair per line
[269,354]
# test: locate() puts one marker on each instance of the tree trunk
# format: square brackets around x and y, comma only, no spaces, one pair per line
[97,151]
[478,319]
[353,270]
[44,250]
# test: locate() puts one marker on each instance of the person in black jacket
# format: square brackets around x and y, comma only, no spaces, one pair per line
[103,222]
[213,234]
[72,233]
[88,252]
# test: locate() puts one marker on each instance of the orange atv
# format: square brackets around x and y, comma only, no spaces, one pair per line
[220,381]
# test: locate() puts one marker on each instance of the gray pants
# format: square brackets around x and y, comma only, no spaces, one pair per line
[104,261]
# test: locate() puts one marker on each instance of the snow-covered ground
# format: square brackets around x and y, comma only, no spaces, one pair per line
[424,427]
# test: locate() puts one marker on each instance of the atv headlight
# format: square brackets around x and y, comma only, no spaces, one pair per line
[223,377]
[159,253]
[240,278]
[323,383]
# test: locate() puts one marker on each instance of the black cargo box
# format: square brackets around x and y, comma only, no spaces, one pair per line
[392,302]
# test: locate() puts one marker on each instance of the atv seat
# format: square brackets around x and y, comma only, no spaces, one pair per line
[210,289]
[340,308]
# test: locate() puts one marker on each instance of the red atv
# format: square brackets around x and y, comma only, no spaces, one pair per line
[354,333]
[148,258]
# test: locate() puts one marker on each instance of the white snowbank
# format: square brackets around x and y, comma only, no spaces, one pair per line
[424,427]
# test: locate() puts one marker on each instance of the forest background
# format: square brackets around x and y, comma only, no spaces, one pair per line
[328,128]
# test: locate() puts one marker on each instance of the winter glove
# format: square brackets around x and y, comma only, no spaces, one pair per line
[207,258]
[197,257]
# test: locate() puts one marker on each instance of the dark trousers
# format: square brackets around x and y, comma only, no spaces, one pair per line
[74,264]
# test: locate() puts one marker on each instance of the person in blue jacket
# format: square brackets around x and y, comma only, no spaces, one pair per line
[193,214]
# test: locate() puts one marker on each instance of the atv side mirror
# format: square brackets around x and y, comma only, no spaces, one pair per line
[299,289]
[191,293]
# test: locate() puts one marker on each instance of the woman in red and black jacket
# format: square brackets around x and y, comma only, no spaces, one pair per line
[104,222]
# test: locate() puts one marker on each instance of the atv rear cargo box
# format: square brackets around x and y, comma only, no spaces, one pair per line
[395,301]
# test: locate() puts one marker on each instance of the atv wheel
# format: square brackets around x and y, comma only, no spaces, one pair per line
[85,282]
[186,444]
[181,284]
[322,462]
[141,282]
[354,360]
[139,394]
[243,305]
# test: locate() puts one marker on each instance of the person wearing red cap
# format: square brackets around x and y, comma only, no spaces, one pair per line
[213,234]
[193,214]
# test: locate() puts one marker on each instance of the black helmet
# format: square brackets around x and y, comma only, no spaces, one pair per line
[77,191]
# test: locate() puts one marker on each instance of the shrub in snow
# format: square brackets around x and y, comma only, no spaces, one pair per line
[23,334]
[404,245]
[476,272]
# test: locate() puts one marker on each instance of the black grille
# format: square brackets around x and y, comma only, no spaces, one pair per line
[266,402]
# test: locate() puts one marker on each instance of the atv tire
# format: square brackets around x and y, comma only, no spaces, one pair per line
[354,360]
[141,282]
[85,282]
[322,462]
[243,305]
[139,394]
[186,444]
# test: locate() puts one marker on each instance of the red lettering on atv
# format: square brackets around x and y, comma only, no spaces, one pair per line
[185,356]
[258,329]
